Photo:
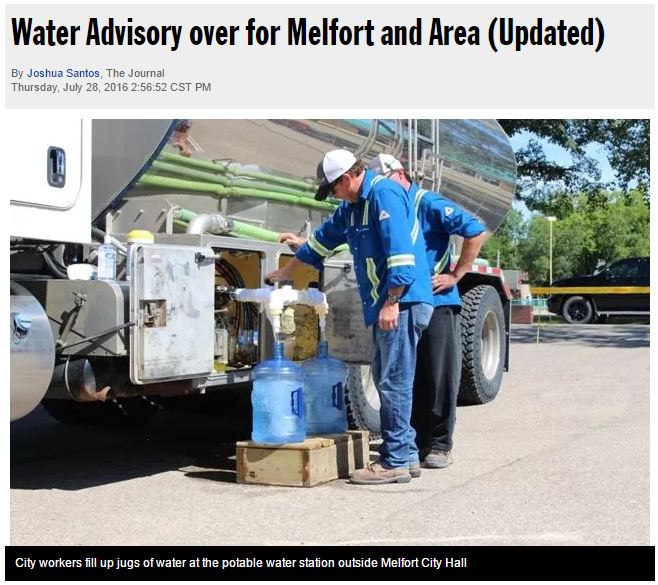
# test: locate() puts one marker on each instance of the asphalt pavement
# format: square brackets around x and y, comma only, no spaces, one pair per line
[561,457]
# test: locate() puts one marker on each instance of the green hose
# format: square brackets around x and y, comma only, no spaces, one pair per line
[235,169]
[241,229]
[221,191]
[223,180]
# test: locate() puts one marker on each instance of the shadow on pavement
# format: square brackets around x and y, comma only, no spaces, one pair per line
[201,435]
[592,335]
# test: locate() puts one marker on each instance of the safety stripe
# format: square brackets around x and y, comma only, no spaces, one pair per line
[365,213]
[419,197]
[401,260]
[318,247]
[374,281]
[352,217]
[415,231]
[441,264]
[592,290]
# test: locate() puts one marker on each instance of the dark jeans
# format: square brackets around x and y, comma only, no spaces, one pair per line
[436,384]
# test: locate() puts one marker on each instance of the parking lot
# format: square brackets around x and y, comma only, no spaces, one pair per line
[561,457]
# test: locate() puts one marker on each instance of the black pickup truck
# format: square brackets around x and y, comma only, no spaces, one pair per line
[621,288]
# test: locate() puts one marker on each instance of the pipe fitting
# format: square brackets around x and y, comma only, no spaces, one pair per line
[213,223]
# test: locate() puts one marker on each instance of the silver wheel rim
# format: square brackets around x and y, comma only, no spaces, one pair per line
[490,345]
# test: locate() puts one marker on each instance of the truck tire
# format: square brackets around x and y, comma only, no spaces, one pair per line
[362,399]
[578,310]
[115,413]
[482,326]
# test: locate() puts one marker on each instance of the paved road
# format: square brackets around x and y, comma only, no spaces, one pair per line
[560,458]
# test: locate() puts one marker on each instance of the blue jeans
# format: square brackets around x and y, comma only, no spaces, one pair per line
[393,369]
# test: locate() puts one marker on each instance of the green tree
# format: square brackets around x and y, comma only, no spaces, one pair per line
[625,143]
[503,244]
[588,236]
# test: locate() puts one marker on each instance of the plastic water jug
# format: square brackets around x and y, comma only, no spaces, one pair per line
[107,260]
[324,387]
[278,401]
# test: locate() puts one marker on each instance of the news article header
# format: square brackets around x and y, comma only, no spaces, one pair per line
[329,56]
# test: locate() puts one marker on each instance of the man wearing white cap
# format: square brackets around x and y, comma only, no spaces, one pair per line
[436,384]
[378,221]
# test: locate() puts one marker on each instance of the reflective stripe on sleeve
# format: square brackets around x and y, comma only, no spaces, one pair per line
[401,260]
[317,247]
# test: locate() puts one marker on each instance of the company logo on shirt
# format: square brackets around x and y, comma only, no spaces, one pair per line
[384,215]
[449,211]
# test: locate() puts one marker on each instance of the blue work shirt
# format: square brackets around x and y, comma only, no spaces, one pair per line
[440,218]
[384,237]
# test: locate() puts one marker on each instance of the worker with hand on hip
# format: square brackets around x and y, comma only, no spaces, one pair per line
[438,364]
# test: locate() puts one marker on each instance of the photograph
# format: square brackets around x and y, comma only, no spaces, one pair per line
[331,333]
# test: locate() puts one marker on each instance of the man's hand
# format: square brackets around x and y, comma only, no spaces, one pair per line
[292,240]
[277,275]
[285,272]
[443,281]
[388,316]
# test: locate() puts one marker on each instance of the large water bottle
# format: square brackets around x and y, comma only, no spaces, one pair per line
[278,401]
[107,260]
[324,393]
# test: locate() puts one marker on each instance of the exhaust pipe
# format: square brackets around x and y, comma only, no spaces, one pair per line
[99,380]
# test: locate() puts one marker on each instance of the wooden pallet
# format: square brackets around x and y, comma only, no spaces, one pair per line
[318,459]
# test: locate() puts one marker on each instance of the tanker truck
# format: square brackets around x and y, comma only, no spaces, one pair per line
[190,231]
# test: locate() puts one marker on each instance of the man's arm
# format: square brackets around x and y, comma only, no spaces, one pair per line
[470,250]
[328,236]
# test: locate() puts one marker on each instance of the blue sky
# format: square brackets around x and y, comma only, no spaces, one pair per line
[562,157]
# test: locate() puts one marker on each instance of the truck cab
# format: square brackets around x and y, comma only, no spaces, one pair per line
[620,288]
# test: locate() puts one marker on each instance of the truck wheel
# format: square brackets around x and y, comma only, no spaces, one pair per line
[362,399]
[577,310]
[116,413]
[482,326]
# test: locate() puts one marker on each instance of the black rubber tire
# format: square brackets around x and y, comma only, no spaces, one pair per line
[578,310]
[479,304]
[116,413]
[362,400]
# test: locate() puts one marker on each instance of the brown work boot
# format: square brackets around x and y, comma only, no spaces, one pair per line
[414,469]
[376,473]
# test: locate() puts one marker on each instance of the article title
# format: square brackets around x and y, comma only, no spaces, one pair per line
[502,33]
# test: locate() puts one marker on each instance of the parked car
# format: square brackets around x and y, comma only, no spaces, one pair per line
[621,288]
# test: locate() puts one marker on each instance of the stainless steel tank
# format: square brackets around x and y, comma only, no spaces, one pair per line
[122,150]
[468,161]
[32,352]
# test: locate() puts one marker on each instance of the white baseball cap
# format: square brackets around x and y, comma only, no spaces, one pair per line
[385,163]
[333,165]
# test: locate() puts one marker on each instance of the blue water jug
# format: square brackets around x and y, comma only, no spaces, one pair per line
[324,388]
[278,401]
